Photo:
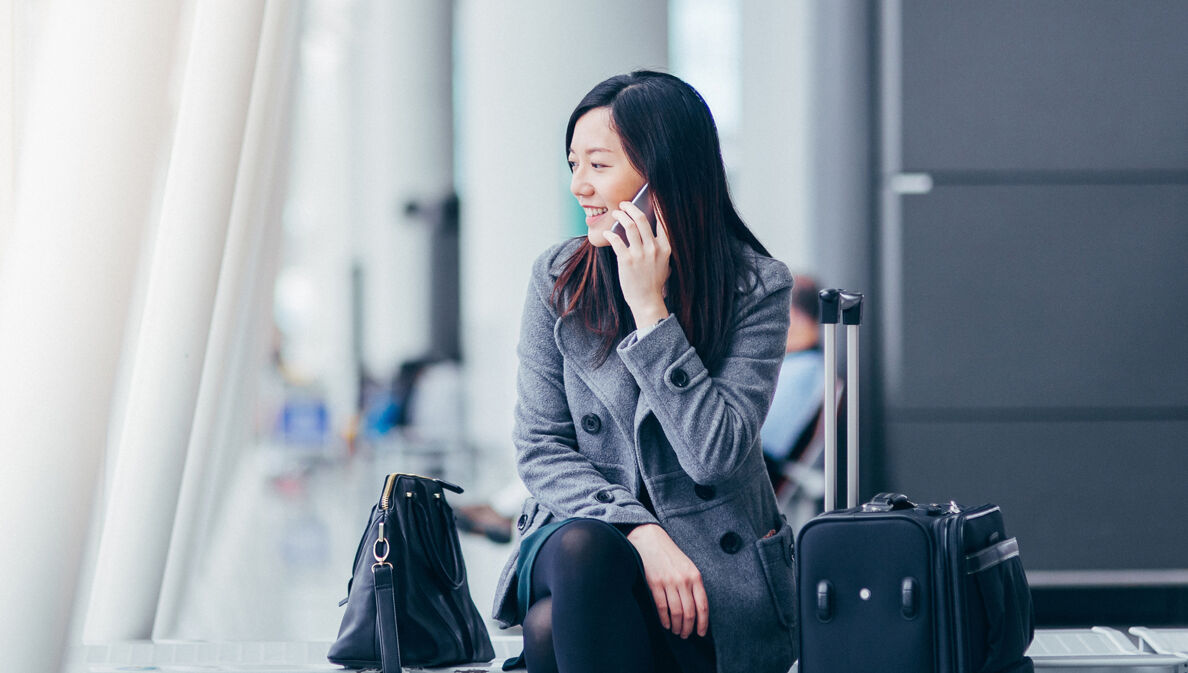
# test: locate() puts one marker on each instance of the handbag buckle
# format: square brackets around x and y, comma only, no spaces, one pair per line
[381,559]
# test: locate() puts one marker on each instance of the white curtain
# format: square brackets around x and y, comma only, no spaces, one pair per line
[178,311]
[109,153]
[244,298]
[94,122]
[8,133]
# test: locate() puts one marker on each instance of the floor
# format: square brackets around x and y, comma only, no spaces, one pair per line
[236,657]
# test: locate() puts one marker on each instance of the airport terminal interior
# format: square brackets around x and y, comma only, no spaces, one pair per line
[257,255]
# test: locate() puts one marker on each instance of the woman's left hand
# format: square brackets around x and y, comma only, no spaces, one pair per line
[675,582]
[643,266]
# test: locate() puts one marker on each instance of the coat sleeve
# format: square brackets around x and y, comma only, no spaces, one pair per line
[547,457]
[713,419]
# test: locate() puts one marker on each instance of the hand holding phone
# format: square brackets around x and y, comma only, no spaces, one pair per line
[642,201]
[643,273]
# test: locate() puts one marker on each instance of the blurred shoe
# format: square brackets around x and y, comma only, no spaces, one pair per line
[482,520]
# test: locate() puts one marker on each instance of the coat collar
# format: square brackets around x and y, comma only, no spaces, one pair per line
[560,255]
[611,382]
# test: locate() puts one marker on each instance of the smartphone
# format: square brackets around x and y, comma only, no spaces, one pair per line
[644,202]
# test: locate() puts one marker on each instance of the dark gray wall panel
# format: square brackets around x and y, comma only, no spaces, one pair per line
[1043,297]
[1045,85]
[1079,496]
[1033,306]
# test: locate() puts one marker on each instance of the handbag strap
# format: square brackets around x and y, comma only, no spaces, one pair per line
[385,617]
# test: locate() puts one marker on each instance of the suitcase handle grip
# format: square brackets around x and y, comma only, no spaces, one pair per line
[828,301]
[851,307]
[888,502]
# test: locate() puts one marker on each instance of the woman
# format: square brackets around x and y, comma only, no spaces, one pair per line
[648,360]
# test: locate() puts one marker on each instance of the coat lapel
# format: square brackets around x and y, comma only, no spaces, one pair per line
[610,382]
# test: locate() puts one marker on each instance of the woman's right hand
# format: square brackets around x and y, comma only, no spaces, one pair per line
[674,581]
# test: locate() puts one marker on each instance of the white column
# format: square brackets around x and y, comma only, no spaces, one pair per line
[97,111]
[253,221]
[522,69]
[403,140]
[315,280]
[177,319]
[774,189]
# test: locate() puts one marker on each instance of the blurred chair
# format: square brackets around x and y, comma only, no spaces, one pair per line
[799,481]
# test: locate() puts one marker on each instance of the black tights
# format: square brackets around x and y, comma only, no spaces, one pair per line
[591,610]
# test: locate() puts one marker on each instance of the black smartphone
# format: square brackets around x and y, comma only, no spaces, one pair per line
[644,202]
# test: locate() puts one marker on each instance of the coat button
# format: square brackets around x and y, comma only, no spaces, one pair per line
[679,378]
[523,521]
[704,492]
[603,496]
[731,542]
[591,423]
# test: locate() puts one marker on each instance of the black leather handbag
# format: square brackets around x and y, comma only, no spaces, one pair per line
[408,602]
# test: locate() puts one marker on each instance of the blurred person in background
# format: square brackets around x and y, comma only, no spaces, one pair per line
[796,407]
[649,351]
[493,519]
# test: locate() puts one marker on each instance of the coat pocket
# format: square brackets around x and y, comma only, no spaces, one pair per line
[776,556]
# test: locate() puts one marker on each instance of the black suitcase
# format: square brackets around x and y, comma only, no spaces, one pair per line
[893,586]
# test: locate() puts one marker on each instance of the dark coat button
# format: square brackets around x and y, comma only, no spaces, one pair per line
[704,492]
[603,496]
[591,423]
[523,521]
[679,378]
[731,542]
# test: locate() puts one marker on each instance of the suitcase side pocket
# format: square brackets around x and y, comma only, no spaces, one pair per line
[1005,597]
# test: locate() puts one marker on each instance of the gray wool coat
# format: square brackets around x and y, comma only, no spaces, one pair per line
[586,436]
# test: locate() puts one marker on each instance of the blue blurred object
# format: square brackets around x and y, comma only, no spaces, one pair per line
[381,413]
[305,421]
[796,402]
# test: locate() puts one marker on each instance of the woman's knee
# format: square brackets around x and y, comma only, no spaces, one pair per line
[594,550]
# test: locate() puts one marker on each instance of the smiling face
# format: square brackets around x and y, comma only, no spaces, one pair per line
[602,175]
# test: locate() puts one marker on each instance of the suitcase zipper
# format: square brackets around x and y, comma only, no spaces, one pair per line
[976,514]
[952,537]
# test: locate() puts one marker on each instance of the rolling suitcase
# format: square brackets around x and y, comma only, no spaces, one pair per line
[892,586]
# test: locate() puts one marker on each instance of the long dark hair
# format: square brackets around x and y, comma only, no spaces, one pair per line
[669,136]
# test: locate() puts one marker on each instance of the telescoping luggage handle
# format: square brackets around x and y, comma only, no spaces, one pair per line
[847,306]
